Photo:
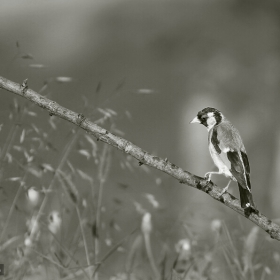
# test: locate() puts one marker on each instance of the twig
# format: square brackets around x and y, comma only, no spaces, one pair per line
[142,156]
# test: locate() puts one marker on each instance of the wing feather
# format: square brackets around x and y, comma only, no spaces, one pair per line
[215,141]
[229,142]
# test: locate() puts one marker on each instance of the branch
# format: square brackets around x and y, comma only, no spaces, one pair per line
[184,177]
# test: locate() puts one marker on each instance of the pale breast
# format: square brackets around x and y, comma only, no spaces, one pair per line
[220,160]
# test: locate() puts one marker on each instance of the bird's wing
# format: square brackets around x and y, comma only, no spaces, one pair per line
[228,144]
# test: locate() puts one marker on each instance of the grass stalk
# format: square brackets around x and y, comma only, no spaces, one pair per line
[102,175]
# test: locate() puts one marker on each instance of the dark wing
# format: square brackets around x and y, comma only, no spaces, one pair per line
[238,168]
[226,139]
[247,168]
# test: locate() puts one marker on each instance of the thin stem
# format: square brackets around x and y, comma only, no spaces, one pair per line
[62,161]
[102,174]
[112,250]
[12,208]
[150,255]
[83,235]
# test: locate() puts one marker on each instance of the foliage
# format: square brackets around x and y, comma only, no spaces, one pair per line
[67,229]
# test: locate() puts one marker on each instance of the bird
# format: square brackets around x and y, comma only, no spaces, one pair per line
[228,153]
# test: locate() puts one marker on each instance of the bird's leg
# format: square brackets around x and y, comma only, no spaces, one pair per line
[208,175]
[225,189]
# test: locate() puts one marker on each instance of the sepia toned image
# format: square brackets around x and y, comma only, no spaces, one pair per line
[140,139]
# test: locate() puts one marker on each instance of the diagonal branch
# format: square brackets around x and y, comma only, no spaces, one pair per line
[141,155]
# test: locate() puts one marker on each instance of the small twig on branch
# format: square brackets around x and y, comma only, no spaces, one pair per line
[142,156]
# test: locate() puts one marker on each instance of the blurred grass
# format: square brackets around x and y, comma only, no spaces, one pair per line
[75,228]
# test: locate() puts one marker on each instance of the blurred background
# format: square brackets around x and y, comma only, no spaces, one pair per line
[142,69]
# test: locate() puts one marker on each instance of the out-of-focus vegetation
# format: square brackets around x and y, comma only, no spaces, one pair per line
[74,208]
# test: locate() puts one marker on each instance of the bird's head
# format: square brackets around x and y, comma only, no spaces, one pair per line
[209,117]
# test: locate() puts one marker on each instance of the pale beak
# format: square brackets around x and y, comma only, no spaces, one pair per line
[195,120]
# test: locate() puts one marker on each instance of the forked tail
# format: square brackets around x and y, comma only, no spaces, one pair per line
[246,198]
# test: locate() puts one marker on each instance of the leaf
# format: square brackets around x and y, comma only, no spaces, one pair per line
[9,157]
[28,157]
[16,104]
[93,144]
[123,186]
[64,79]
[102,111]
[27,56]
[22,136]
[112,112]
[44,87]
[84,175]
[18,148]
[35,128]
[71,166]
[267,270]
[145,91]
[51,122]
[32,114]
[47,167]
[108,241]
[14,179]
[98,87]
[37,173]
[128,115]
[84,153]
[94,230]
[152,200]
[146,225]
[37,66]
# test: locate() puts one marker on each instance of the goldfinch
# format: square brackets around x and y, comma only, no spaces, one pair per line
[228,152]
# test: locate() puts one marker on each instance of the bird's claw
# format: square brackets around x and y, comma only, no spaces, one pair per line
[207,177]
[223,191]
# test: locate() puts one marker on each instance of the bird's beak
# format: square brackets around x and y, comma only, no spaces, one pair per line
[195,120]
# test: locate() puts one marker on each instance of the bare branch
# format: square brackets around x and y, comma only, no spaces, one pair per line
[141,155]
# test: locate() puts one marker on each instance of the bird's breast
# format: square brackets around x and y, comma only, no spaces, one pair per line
[221,161]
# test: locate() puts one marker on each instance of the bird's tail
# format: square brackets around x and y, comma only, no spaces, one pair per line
[246,197]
